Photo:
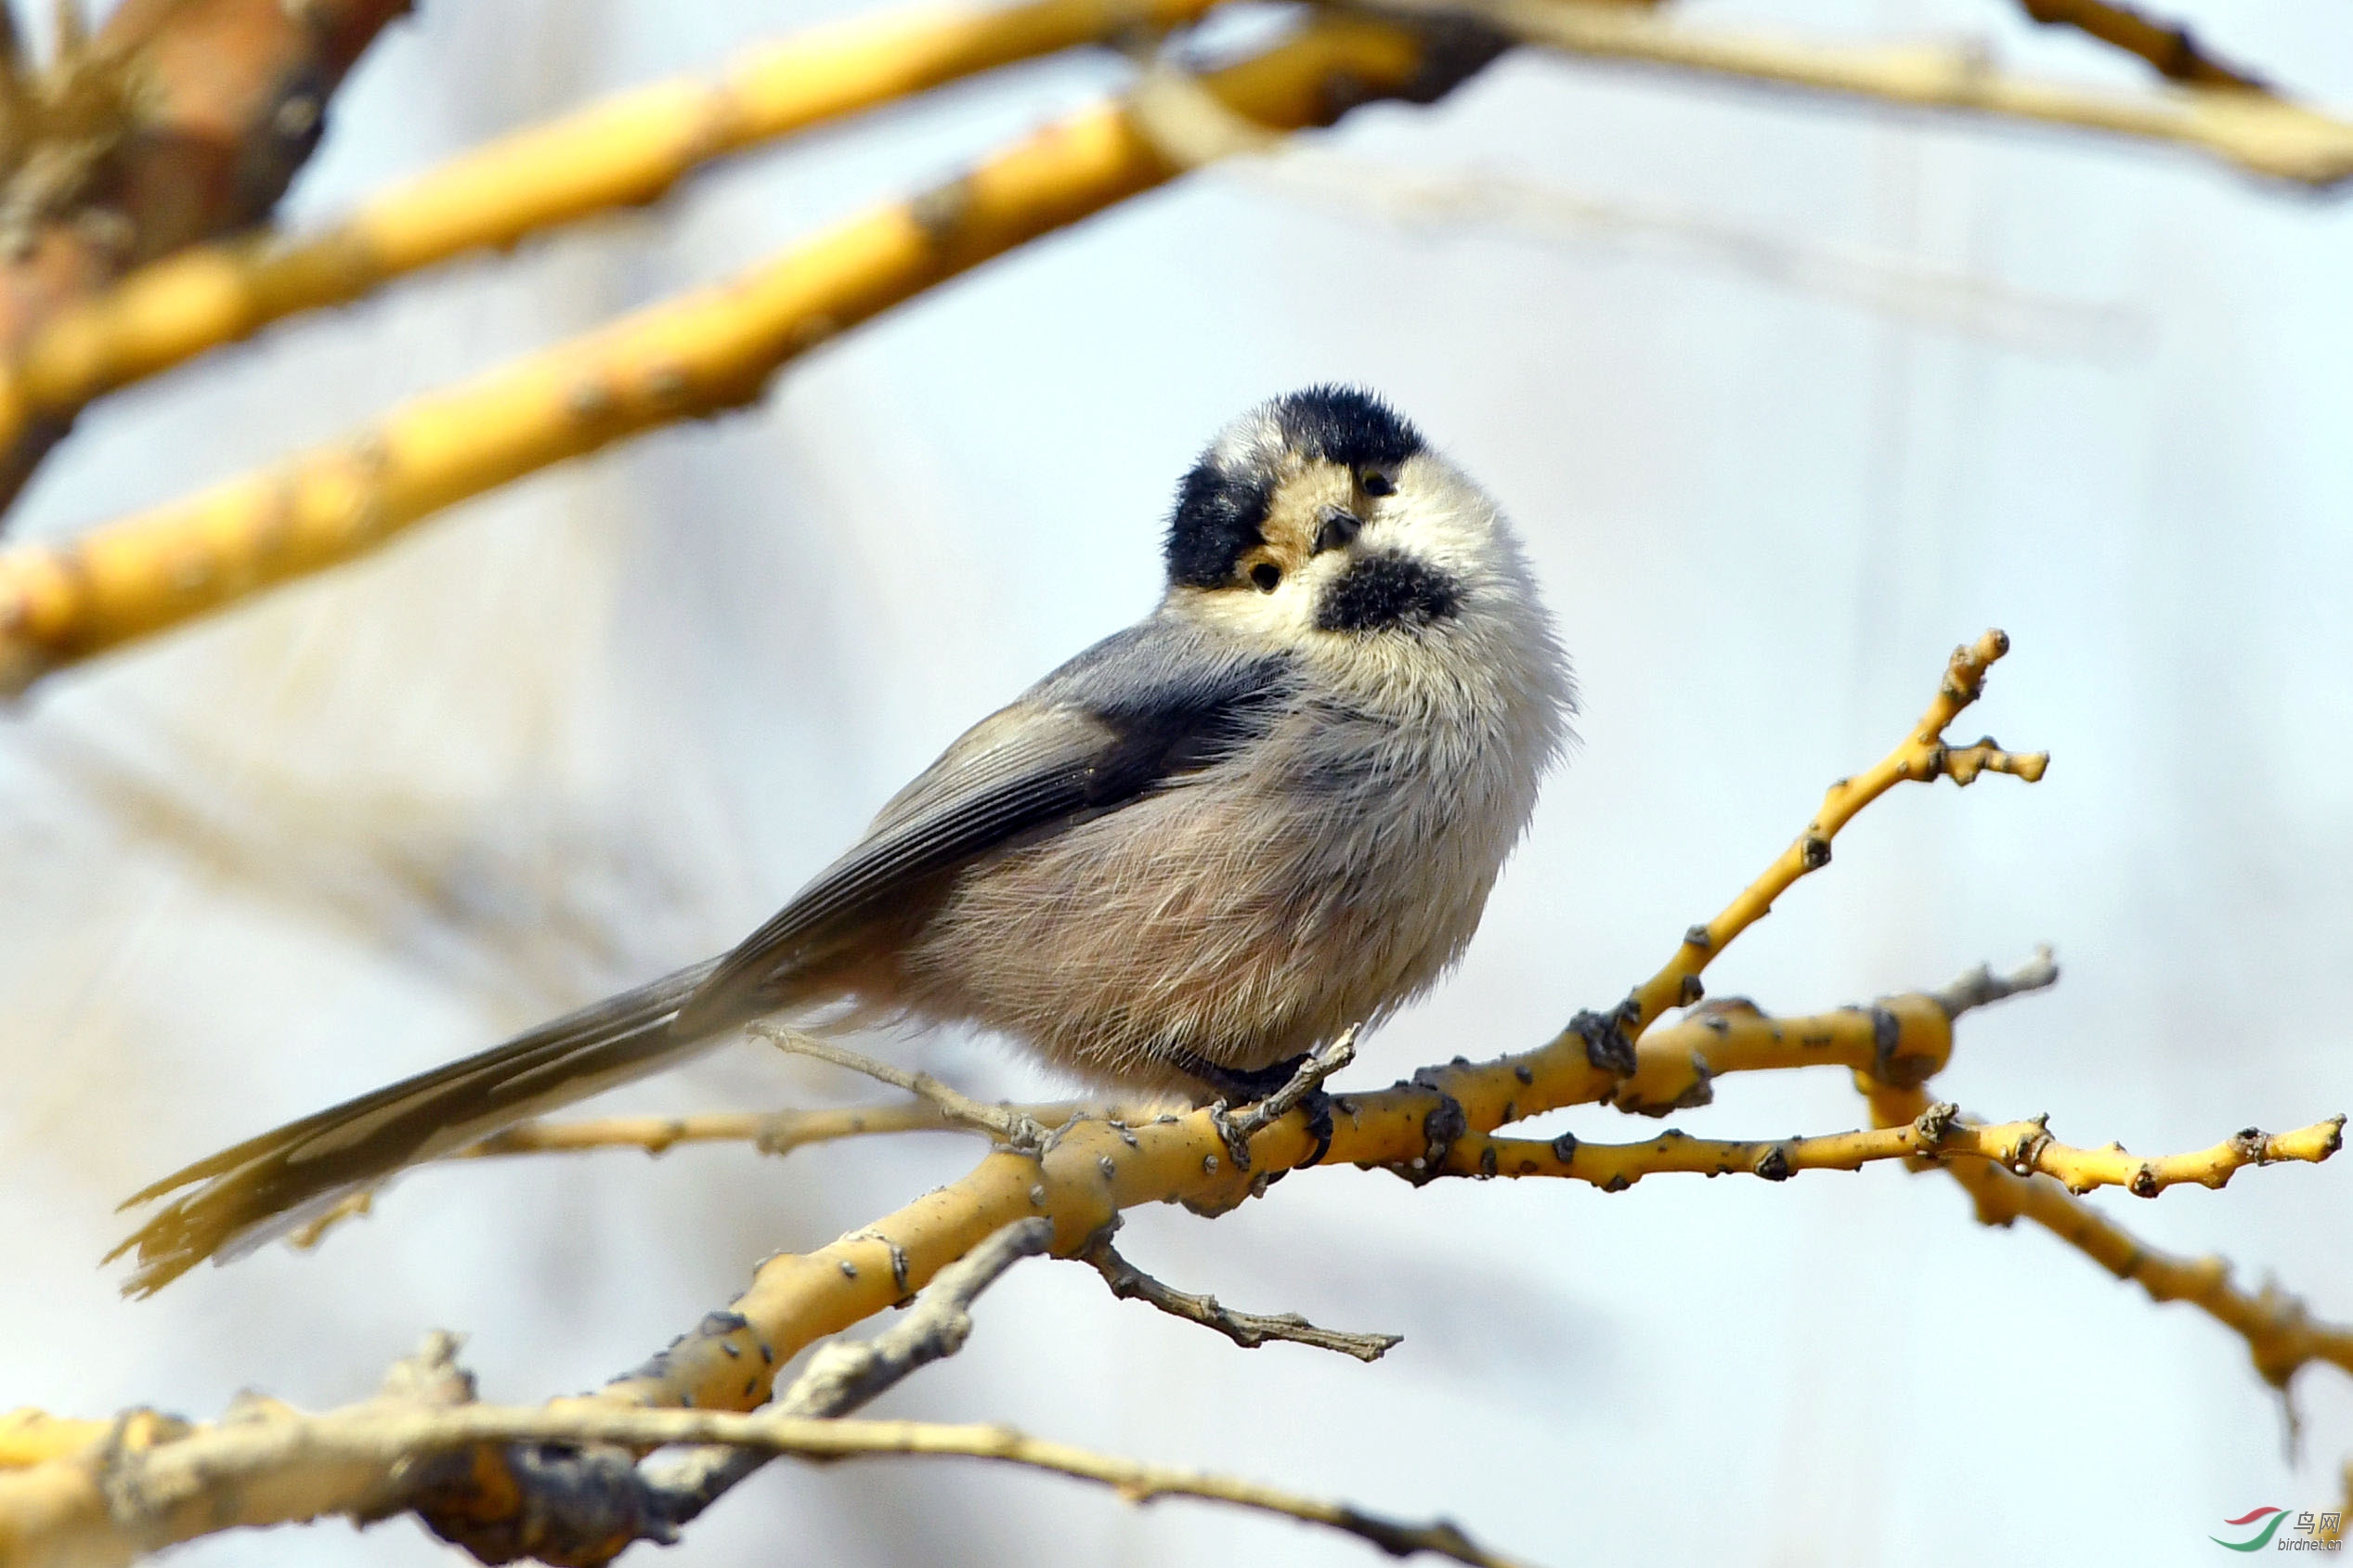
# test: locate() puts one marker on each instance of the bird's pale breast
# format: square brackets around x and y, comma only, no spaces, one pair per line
[1244,915]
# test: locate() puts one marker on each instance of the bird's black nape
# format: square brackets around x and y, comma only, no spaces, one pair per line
[1222,501]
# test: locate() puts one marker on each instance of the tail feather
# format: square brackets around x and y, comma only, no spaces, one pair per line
[245,1194]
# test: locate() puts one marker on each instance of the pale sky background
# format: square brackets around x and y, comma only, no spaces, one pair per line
[1786,398]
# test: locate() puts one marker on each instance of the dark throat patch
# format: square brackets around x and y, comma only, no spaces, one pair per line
[1378,592]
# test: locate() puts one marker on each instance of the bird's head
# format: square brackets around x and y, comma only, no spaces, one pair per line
[1323,514]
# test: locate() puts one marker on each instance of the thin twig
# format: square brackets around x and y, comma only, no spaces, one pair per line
[1248,1329]
[1007,1125]
[771,1132]
[1982,987]
[1445,203]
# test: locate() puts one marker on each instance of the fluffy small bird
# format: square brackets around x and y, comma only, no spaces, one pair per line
[1270,810]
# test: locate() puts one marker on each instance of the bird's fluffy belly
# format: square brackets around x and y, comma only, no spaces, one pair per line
[1222,927]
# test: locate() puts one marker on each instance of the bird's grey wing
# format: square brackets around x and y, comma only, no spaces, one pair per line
[1141,711]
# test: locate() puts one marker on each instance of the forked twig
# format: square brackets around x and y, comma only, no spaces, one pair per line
[1248,1329]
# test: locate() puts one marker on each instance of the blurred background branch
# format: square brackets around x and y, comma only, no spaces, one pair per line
[698,356]
[627,151]
[2169,47]
[177,121]
[690,357]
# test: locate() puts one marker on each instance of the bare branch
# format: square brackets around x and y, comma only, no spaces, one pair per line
[1007,1125]
[844,1375]
[1939,1132]
[1248,1329]
[771,1132]
[2168,46]
[1921,757]
[626,151]
[1982,987]
[273,1466]
[2282,1336]
[2259,134]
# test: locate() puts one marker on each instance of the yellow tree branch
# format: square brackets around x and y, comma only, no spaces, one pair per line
[115,1502]
[624,151]
[2281,1334]
[689,358]
[2259,134]
[1906,1038]
[774,1132]
[1937,1134]
[1921,757]
[499,1492]
[1673,1063]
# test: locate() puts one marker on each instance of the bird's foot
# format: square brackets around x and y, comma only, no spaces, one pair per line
[1263,1095]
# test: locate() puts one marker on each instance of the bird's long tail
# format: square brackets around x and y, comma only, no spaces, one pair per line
[269,1186]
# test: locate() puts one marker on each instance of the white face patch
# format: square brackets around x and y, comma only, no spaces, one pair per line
[1434,517]
[1440,518]
[1281,617]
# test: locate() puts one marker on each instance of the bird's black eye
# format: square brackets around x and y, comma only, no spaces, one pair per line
[1339,527]
[1378,484]
[1265,574]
